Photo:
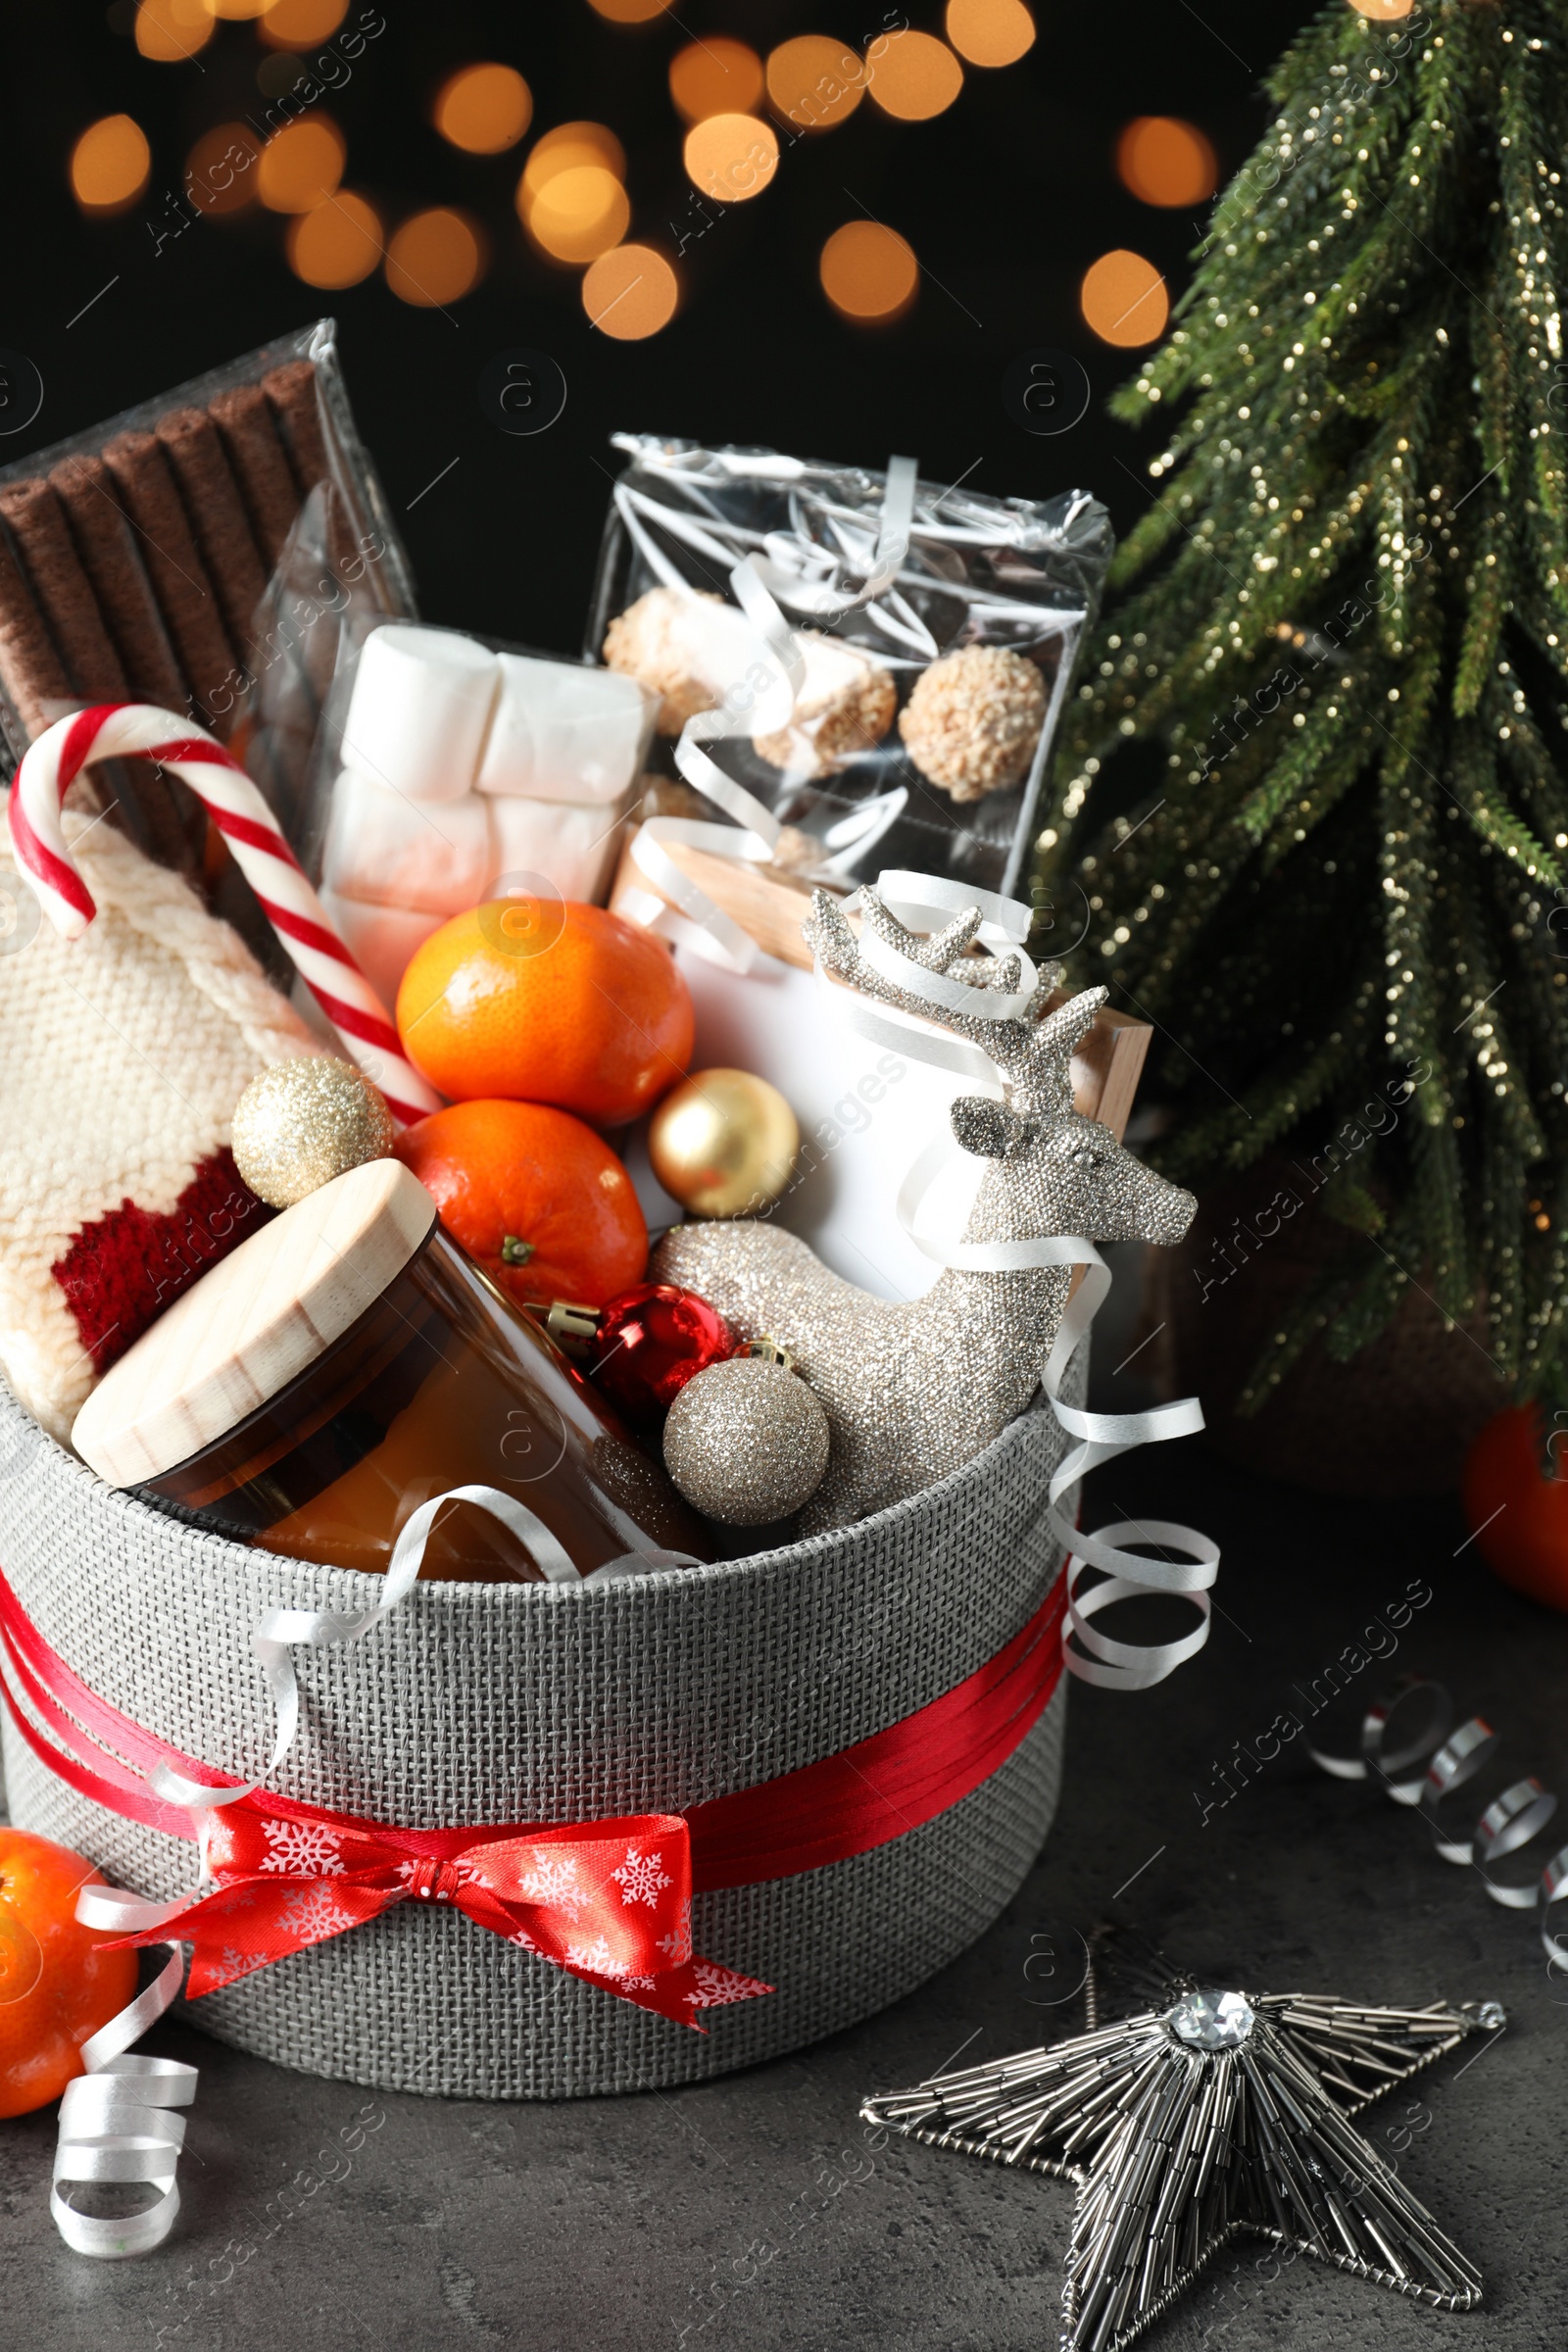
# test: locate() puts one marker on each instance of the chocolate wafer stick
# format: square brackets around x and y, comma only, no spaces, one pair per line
[30,666]
[189,440]
[65,594]
[186,598]
[291,391]
[260,465]
[108,550]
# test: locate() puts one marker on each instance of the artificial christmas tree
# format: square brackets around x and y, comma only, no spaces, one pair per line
[1345,621]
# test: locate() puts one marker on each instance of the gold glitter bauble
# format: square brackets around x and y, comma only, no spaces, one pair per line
[746,1441]
[723,1144]
[300,1123]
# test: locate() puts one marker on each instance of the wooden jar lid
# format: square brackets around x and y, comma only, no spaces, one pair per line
[260,1317]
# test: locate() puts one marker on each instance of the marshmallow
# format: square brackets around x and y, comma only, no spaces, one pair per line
[572,847]
[380,938]
[419,709]
[391,850]
[563,732]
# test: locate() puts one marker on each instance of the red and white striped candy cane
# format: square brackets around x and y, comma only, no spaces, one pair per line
[119,730]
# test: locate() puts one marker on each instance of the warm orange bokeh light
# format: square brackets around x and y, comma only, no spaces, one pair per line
[732,156]
[109,164]
[563,150]
[239,9]
[436,257]
[1383,11]
[220,168]
[301,23]
[631,293]
[630,12]
[912,75]
[580,214]
[301,164]
[168,30]
[1123,299]
[869,271]
[814,83]
[484,109]
[990,33]
[1164,161]
[715,77]
[336,245]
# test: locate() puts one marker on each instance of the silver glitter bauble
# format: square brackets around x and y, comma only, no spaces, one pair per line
[746,1441]
[300,1123]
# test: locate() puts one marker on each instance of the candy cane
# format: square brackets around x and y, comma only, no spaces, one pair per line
[118,730]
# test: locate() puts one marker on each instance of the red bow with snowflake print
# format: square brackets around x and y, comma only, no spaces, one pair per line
[610,1901]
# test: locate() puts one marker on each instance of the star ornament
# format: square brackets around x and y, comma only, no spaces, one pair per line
[1182,2127]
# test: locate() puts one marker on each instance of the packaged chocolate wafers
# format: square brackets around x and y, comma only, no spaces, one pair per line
[208,551]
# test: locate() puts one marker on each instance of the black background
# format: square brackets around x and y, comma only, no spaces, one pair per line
[1005,199]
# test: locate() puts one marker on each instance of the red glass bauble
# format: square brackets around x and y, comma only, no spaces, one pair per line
[650,1342]
[1516,1501]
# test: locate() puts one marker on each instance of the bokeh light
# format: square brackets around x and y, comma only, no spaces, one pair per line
[1124,300]
[814,83]
[630,292]
[484,109]
[1383,11]
[109,164]
[869,271]
[990,33]
[717,76]
[1164,161]
[563,150]
[301,23]
[630,12]
[912,75]
[301,164]
[168,30]
[580,214]
[434,258]
[336,245]
[732,156]
[220,168]
[240,9]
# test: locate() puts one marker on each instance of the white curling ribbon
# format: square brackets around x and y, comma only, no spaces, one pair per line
[1116,1665]
[113,2124]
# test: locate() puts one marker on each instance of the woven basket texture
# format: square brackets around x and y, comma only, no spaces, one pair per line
[480,1703]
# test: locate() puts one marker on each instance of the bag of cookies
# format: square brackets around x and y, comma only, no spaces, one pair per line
[207,551]
[868,663]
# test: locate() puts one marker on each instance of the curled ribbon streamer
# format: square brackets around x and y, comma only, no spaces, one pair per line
[1116,1665]
[1444,1760]
[114,2120]
[764,668]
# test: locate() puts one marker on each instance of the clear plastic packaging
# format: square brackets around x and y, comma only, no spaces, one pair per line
[932,633]
[205,551]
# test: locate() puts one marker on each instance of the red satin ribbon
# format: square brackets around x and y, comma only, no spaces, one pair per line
[287,1874]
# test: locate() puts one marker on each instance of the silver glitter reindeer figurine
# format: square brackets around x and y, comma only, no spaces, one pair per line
[913,1389]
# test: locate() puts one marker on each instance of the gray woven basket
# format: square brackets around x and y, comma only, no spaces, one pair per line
[501,1702]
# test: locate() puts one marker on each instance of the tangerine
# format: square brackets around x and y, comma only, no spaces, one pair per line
[546,1000]
[58,1981]
[536,1196]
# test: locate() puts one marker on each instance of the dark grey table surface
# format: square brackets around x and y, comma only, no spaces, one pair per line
[752,2212]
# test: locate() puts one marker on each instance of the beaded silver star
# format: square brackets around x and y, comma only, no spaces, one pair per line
[1221,2114]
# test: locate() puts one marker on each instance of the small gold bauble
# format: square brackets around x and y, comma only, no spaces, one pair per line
[300,1123]
[723,1144]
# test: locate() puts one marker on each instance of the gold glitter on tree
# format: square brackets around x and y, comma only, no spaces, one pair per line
[1343,622]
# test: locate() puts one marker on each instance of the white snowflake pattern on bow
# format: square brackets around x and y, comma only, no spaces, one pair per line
[312,1912]
[716,1985]
[642,1878]
[302,1850]
[523,1941]
[677,1944]
[554,1881]
[236,1963]
[638,1983]
[597,1957]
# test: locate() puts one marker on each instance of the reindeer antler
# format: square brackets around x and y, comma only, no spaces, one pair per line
[1034,1052]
